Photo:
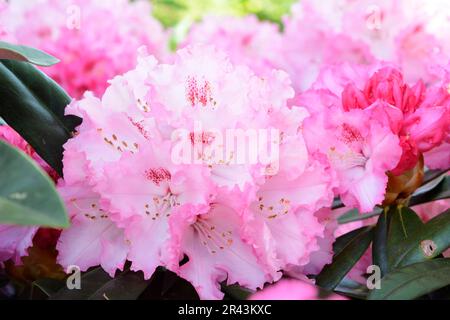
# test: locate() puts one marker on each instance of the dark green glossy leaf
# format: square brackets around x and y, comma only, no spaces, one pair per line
[127,286]
[428,242]
[33,105]
[404,225]
[355,215]
[90,282]
[333,273]
[236,292]
[98,285]
[27,54]
[352,289]
[379,246]
[441,191]
[342,241]
[27,195]
[413,281]
[49,286]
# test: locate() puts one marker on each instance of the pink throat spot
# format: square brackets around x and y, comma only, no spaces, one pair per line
[205,138]
[158,175]
[350,134]
[198,92]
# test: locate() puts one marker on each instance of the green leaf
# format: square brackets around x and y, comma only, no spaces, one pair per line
[333,273]
[354,215]
[404,225]
[27,54]
[428,242]
[33,105]
[413,281]
[441,191]
[49,286]
[236,292]
[98,285]
[379,246]
[342,241]
[127,286]
[352,289]
[27,195]
[431,175]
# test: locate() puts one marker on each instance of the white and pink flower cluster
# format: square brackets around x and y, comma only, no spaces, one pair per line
[208,221]
[352,91]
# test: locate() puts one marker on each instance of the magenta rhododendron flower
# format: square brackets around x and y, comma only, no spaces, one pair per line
[95,40]
[379,122]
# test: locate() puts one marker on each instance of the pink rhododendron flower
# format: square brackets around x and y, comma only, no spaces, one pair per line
[14,241]
[419,116]
[145,165]
[439,157]
[246,40]
[211,237]
[310,41]
[93,238]
[95,40]
[359,152]
[406,32]
[294,290]
[3,31]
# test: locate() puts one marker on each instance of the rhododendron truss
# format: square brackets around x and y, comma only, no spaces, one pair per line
[120,175]
[380,123]
[304,158]
[95,40]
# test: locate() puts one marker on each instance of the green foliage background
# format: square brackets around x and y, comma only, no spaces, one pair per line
[173,12]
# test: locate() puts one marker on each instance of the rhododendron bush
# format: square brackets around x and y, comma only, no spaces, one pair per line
[226,156]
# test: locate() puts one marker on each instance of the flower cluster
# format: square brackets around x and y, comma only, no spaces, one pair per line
[221,162]
[95,40]
[239,221]
[150,176]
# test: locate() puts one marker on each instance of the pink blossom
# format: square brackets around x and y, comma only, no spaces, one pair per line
[14,242]
[284,210]
[406,33]
[156,210]
[419,116]
[211,238]
[360,152]
[311,41]
[154,189]
[94,40]
[93,238]
[439,157]
[246,40]
[294,290]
